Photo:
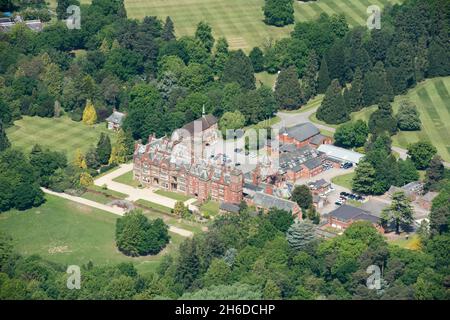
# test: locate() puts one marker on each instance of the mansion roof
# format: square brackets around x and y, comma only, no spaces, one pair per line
[207,122]
[175,156]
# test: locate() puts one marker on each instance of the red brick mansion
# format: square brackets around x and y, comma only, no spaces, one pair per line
[170,165]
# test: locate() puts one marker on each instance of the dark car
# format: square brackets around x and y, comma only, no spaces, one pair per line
[347,165]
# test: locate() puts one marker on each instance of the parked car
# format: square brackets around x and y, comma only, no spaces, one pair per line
[346,165]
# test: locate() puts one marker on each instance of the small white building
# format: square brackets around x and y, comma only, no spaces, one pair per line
[340,154]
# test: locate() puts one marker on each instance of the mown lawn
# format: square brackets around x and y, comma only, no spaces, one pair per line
[241,22]
[155,206]
[127,178]
[70,233]
[313,103]
[432,98]
[265,78]
[344,180]
[57,134]
[173,195]
[210,208]
[264,123]
[154,210]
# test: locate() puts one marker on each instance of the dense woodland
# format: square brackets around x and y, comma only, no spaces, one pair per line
[264,257]
[162,82]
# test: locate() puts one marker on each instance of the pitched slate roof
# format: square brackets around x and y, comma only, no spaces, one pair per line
[302,131]
[229,207]
[319,183]
[313,163]
[374,206]
[116,117]
[268,201]
[207,122]
[289,147]
[318,139]
[349,213]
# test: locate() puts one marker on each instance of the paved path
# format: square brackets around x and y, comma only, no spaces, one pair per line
[114,210]
[291,119]
[133,193]
[86,202]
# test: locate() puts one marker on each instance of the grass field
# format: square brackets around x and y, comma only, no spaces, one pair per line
[412,243]
[432,98]
[70,233]
[58,134]
[264,123]
[101,195]
[127,179]
[155,206]
[173,195]
[241,21]
[154,210]
[210,208]
[265,78]
[344,180]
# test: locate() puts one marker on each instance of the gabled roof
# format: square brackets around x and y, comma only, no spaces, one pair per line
[313,163]
[374,206]
[319,183]
[268,201]
[207,122]
[318,139]
[349,213]
[346,212]
[302,131]
[289,147]
[116,117]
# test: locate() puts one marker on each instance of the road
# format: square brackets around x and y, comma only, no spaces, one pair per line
[115,210]
[333,196]
[291,119]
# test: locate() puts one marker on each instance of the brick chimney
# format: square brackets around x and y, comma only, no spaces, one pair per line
[269,189]
[256,176]
[137,144]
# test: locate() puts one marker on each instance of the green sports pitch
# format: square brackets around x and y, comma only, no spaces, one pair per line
[70,233]
[241,21]
[58,134]
[432,98]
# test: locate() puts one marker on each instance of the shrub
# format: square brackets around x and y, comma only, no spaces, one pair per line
[138,236]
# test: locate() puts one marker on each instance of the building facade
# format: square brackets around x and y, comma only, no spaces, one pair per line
[344,216]
[303,134]
[170,165]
